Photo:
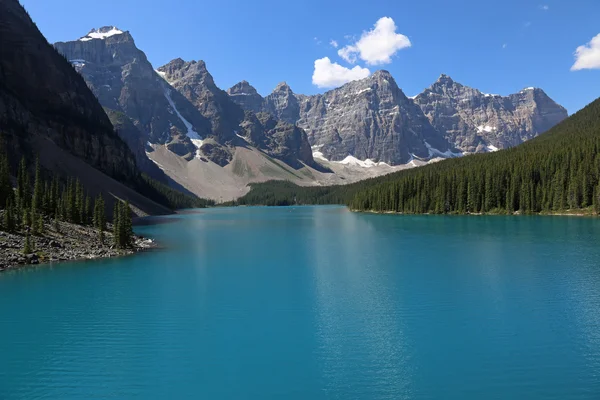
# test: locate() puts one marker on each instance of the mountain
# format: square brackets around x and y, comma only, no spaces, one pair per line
[123,80]
[195,83]
[137,143]
[283,104]
[373,119]
[203,137]
[47,110]
[177,120]
[366,119]
[556,172]
[279,139]
[473,121]
[370,119]
[177,106]
[246,96]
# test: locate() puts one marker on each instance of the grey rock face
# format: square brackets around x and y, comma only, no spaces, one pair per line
[246,96]
[474,121]
[121,77]
[194,82]
[283,104]
[136,141]
[279,139]
[370,118]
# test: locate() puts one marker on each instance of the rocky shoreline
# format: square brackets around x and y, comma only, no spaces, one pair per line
[71,242]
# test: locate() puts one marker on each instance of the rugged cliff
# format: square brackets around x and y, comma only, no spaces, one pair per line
[279,139]
[194,82]
[373,119]
[367,119]
[121,77]
[474,121]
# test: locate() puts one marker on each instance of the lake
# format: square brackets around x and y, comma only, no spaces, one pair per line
[315,303]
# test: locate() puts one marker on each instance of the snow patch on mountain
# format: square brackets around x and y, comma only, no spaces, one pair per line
[486,128]
[99,34]
[319,156]
[77,62]
[351,160]
[191,133]
[446,154]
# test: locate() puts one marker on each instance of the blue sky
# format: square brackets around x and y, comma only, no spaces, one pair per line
[497,46]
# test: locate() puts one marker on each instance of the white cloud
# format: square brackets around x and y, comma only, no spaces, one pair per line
[505,45]
[317,40]
[588,55]
[348,53]
[334,43]
[376,46]
[544,7]
[328,74]
[527,24]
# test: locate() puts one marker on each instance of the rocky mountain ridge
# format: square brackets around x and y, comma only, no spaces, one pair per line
[474,121]
[123,80]
[348,120]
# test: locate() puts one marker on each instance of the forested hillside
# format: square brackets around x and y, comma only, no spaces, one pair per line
[559,170]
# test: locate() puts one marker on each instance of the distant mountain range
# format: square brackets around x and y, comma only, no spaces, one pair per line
[373,119]
[214,142]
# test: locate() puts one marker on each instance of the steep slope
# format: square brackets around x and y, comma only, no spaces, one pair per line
[278,139]
[192,80]
[474,122]
[121,77]
[46,108]
[366,119]
[132,136]
[372,119]
[283,103]
[246,96]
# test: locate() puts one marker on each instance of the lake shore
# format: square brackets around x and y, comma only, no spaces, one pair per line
[71,242]
[564,213]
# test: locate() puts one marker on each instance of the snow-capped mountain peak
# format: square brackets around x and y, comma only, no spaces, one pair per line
[102,33]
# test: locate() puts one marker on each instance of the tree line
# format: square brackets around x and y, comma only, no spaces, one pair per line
[557,171]
[27,206]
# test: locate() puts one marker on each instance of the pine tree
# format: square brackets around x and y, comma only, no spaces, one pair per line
[7,222]
[27,189]
[127,225]
[100,217]
[26,221]
[27,248]
[54,194]
[40,225]
[34,222]
[21,172]
[116,225]
[88,208]
[6,191]
[36,203]
[56,222]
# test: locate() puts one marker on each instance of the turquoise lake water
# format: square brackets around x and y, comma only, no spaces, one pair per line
[315,303]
